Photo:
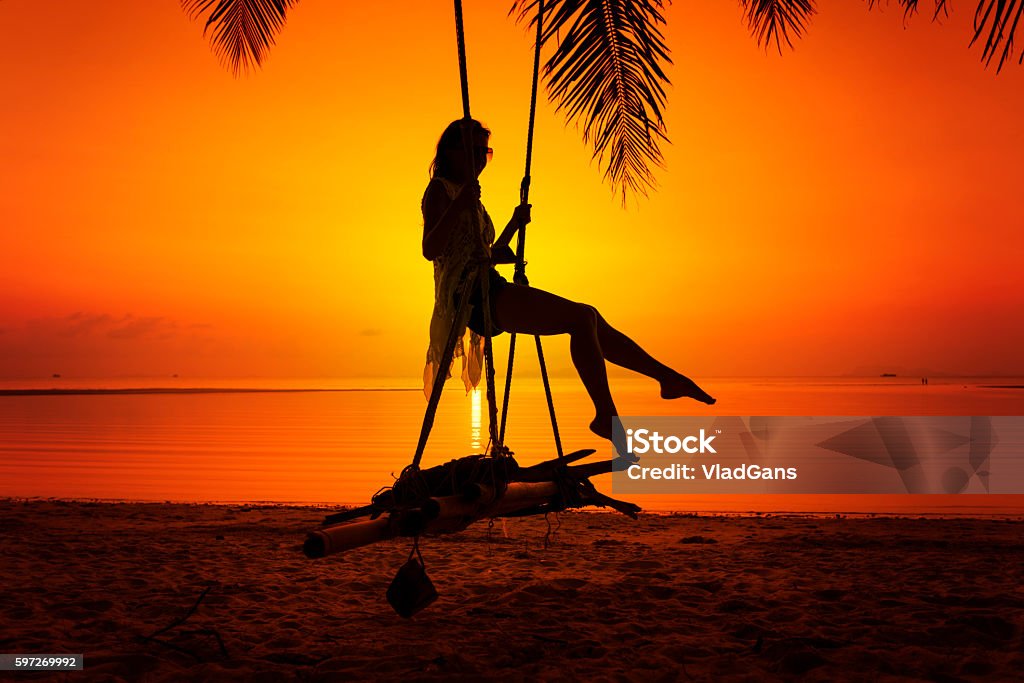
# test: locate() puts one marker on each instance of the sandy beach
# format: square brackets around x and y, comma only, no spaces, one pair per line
[665,598]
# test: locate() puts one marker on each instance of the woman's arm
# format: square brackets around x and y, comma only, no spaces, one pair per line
[520,217]
[441,214]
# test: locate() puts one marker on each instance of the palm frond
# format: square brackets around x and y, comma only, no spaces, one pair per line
[607,75]
[998,18]
[243,30]
[776,20]
[996,15]
[910,7]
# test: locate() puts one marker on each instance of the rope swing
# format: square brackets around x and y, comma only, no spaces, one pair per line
[451,496]
[477,275]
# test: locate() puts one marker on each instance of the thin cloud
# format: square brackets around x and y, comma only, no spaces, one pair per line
[82,325]
[131,327]
[75,325]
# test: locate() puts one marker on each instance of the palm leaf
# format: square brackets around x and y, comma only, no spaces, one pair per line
[776,20]
[996,15]
[243,30]
[910,7]
[999,18]
[607,75]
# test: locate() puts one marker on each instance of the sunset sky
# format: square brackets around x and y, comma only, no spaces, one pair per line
[853,205]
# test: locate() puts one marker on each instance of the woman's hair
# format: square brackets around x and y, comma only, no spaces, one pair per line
[451,138]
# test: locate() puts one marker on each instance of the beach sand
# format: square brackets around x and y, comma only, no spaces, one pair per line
[665,598]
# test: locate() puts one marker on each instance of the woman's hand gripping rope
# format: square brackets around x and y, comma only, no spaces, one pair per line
[501,252]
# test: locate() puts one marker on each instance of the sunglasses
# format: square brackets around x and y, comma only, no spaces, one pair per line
[483,151]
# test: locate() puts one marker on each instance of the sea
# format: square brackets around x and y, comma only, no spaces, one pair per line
[337,442]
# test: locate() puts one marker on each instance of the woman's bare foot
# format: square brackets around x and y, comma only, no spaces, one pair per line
[602,426]
[678,386]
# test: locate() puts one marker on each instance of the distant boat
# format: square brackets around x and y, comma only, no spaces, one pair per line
[888,374]
[55,375]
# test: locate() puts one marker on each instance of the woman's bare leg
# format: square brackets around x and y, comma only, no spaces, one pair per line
[621,350]
[527,310]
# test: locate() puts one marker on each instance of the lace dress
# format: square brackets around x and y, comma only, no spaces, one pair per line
[473,231]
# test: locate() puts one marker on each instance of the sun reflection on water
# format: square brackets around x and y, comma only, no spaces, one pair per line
[475,411]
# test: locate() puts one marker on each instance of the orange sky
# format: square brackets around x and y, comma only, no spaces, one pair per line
[850,205]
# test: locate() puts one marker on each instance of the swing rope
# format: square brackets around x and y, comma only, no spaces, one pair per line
[470,280]
[520,272]
[460,42]
[483,269]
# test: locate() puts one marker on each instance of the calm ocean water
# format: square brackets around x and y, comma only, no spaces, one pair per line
[341,445]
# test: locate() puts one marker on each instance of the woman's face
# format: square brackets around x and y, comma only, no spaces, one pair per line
[481,155]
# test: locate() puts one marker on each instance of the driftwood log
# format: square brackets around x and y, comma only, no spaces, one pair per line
[502,489]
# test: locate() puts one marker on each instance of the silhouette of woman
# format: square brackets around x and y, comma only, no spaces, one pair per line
[457,231]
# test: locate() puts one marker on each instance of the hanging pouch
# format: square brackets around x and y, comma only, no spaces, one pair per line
[411,590]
